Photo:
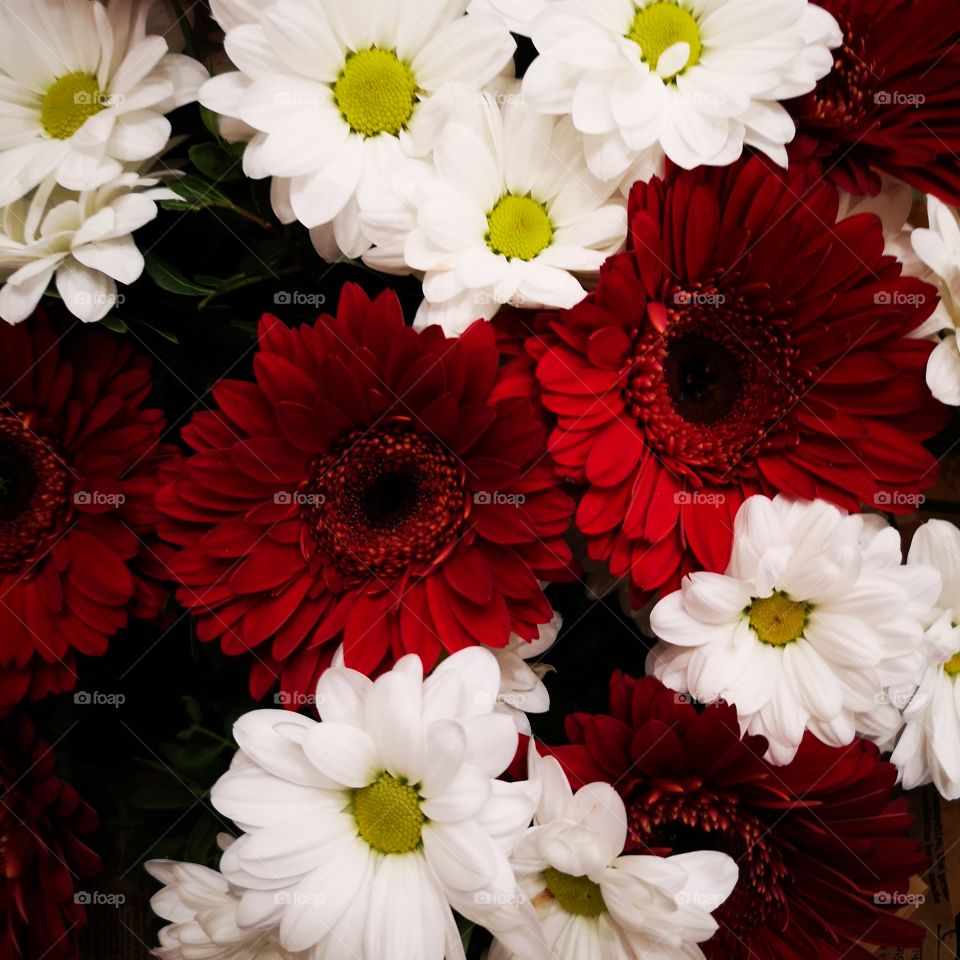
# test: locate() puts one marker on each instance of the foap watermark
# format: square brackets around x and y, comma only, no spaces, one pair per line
[897,98]
[289,897]
[900,699]
[98,98]
[299,98]
[692,298]
[296,699]
[700,498]
[299,498]
[98,298]
[498,898]
[97,498]
[894,898]
[897,298]
[502,99]
[898,498]
[698,98]
[298,298]
[98,698]
[709,900]
[98,898]
[499,499]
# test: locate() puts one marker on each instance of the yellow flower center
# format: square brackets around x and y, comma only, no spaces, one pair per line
[658,27]
[519,228]
[952,666]
[388,815]
[68,104]
[577,895]
[778,620]
[376,92]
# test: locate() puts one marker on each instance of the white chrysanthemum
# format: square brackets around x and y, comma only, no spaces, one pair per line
[339,92]
[364,830]
[929,746]
[521,683]
[593,902]
[814,618]
[507,214]
[83,92]
[202,909]
[518,15]
[938,248]
[693,79]
[83,239]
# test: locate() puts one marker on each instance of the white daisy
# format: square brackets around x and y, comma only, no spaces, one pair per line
[693,79]
[518,15]
[83,92]
[202,909]
[363,831]
[938,248]
[814,618]
[929,746]
[521,683]
[338,91]
[508,214]
[595,904]
[83,239]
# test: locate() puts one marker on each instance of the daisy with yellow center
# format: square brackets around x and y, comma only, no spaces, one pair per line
[362,833]
[644,79]
[509,214]
[93,103]
[928,749]
[594,902]
[811,624]
[335,97]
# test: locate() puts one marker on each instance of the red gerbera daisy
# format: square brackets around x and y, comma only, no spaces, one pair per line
[77,479]
[374,483]
[743,344]
[890,103]
[821,846]
[41,853]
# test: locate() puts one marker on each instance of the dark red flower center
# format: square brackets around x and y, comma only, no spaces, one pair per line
[670,823]
[847,97]
[34,493]
[386,501]
[711,391]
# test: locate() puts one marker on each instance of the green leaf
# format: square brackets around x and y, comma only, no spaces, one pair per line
[214,162]
[211,121]
[196,192]
[114,323]
[193,708]
[202,842]
[169,278]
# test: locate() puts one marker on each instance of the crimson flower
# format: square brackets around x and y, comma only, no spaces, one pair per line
[822,848]
[742,344]
[78,474]
[375,484]
[890,103]
[42,855]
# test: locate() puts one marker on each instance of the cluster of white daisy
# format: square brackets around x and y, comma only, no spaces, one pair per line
[367,834]
[85,87]
[819,627]
[396,132]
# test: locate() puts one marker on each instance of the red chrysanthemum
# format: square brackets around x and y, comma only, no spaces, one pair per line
[822,848]
[374,483]
[890,103]
[41,854]
[78,474]
[742,344]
